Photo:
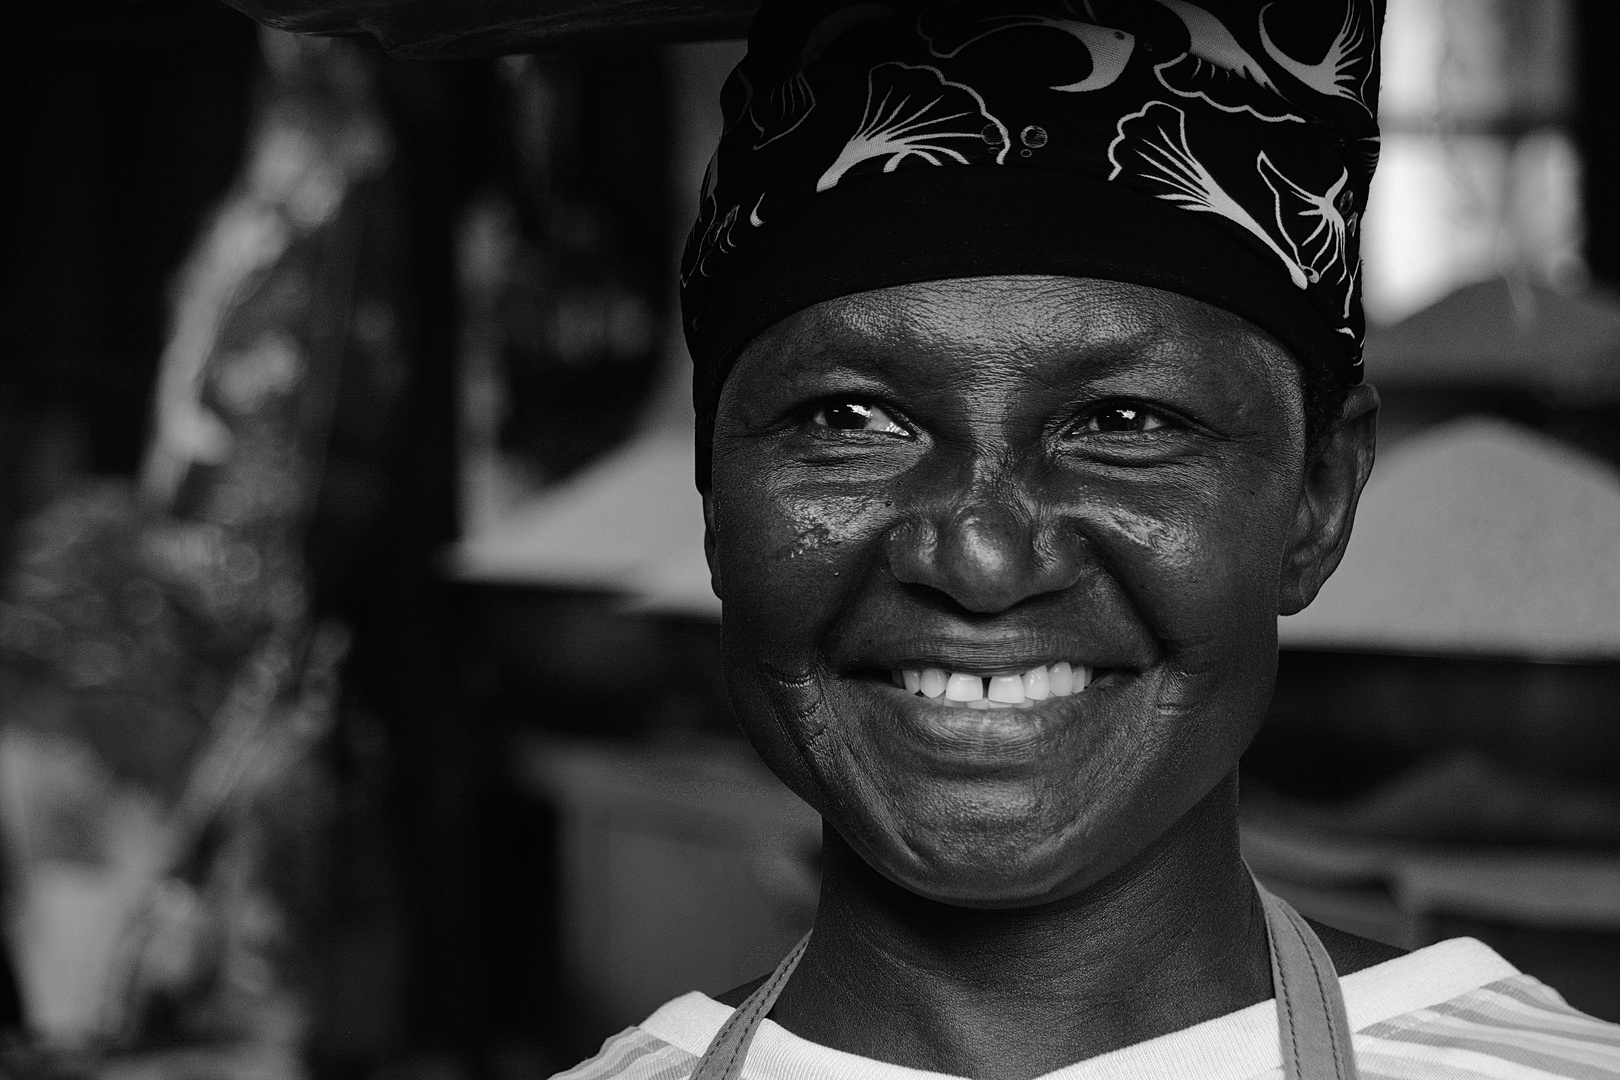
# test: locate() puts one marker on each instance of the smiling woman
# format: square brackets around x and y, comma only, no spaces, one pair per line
[1068,472]
[1028,383]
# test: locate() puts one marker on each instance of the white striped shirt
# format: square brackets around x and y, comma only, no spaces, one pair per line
[1453,1011]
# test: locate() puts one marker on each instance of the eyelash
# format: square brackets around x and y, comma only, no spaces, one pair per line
[1153,419]
[816,416]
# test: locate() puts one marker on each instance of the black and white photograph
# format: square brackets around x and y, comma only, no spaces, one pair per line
[810,540]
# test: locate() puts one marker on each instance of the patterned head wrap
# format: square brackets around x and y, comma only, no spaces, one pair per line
[1221,150]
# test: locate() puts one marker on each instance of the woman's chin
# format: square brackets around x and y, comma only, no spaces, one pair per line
[982,866]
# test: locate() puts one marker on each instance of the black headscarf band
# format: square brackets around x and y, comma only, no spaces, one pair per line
[874,235]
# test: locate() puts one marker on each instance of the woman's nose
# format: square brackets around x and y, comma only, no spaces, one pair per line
[986,556]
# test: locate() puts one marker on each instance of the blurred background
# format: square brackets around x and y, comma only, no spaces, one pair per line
[360,706]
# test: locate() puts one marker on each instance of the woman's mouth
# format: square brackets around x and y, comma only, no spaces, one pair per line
[966,690]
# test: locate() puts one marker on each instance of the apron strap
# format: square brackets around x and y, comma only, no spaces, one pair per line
[723,1060]
[1313,1030]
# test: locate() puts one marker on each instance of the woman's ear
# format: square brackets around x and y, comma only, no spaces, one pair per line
[1336,469]
[708,543]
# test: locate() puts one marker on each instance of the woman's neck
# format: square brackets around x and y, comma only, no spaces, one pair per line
[1173,938]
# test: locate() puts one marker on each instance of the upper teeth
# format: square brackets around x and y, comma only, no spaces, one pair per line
[958,690]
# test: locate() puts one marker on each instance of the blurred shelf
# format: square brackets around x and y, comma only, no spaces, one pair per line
[1513,335]
[1531,887]
[631,525]
[682,867]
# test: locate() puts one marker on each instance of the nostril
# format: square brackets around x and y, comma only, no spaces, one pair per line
[985,558]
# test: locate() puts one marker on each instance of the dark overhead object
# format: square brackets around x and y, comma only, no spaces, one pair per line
[463,28]
[1496,334]
[1598,94]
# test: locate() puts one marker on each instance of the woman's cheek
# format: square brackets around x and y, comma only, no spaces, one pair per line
[793,556]
[1188,550]
[779,710]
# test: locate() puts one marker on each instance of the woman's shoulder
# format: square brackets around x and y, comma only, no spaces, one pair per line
[1508,1024]
[1519,1024]
[665,1046]
[634,1054]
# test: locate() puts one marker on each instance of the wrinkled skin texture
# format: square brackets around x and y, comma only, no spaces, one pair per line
[1010,515]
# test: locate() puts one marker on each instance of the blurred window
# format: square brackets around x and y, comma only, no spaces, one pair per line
[1480,173]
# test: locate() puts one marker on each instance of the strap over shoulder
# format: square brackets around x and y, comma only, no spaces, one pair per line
[1313,1029]
[723,1060]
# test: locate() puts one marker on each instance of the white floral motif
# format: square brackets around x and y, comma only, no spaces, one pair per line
[708,211]
[1211,40]
[791,102]
[1110,49]
[913,110]
[1342,72]
[708,205]
[787,106]
[1314,227]
[721,241]
[1161,154]
[715,241]
[1213,61]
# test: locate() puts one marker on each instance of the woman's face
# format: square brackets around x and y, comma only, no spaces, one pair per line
[990,477]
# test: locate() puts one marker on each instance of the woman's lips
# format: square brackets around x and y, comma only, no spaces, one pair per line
[980,738]
[1023,690]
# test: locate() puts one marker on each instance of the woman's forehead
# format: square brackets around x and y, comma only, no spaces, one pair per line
[1090,326]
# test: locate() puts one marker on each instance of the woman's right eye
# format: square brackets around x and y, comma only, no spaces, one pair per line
[857,416]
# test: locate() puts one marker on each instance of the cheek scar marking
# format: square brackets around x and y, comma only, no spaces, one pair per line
[786,691]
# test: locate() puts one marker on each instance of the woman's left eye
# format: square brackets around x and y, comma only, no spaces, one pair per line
[1128,418]
[857,416]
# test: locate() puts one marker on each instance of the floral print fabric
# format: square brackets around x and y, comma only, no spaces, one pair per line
[1257,116]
